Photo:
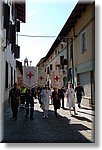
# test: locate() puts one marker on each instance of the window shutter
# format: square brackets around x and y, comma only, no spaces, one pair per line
[17,26]
[17,51]
[83,41]
[65,61]
[6,11]
[61,60]
[12,34]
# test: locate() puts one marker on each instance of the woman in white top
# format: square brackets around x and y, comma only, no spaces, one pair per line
[45,93]
[71,98]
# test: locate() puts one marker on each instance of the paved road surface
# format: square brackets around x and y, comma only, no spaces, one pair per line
[64,129]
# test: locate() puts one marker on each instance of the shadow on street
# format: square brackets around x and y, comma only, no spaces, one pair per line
[39,130]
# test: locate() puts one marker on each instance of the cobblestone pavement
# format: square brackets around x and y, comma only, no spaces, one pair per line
[64,129]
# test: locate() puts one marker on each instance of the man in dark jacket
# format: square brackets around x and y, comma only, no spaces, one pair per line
[29,100]
[79,92]
[14,99]
[62,91]
[56,100]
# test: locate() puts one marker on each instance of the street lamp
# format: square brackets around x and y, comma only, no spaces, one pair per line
[70,71]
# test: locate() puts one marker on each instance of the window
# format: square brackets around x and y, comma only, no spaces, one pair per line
[50,66]
[47,70]
[55,52]
[61,46]
[83,41]
[62,62]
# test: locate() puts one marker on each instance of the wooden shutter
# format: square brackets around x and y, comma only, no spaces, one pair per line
[17,51]
[6,12]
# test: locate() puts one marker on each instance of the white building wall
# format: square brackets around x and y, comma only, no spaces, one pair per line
[9,57]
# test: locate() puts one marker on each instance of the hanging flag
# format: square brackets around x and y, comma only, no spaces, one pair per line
[42,78]
[57,79]
[29,76]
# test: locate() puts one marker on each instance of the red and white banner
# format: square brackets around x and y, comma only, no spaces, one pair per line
[42,78]
[29,76]
[57,79]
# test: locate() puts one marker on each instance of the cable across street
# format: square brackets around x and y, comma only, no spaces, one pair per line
[37,36]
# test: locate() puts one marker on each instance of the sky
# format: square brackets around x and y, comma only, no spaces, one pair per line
[43,18]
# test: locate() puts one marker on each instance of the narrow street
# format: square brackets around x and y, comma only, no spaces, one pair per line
[64,129]
[47,45]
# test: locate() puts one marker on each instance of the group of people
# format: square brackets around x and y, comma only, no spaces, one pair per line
[23,96]
[56,95]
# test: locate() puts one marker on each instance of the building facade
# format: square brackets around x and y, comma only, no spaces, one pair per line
[12,13]
[84,52]
[71,57]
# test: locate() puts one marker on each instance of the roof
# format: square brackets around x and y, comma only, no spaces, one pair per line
[41,61]
[75,15]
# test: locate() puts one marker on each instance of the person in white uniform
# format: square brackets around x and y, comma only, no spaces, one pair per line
[71,98]
[45,93]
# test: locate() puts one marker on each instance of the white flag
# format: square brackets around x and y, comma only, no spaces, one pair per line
[29,76]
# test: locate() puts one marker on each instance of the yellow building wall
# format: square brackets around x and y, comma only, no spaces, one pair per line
[86,22]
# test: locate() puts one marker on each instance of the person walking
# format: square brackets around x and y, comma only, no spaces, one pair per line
[79,92]
[62,91]
[45,93]
[14,96]
[22,97]
[56,100]
[71,98]
[29,101]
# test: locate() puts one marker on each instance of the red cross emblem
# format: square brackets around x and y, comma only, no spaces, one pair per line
[56,78]
[30,74]
[41,78]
